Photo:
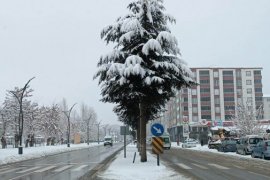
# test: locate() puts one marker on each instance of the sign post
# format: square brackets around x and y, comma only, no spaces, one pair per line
[124,130]
[157,142]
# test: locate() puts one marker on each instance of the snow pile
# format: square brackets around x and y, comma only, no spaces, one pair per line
[124,169]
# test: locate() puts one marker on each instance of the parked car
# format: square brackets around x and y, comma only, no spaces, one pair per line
[247,143]
[214,144]
[228,145]
[261,150]
[189,143]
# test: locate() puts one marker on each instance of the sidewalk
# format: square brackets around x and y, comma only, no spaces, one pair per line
[124,169]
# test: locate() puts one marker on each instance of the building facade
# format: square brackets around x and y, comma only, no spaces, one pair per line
[266,106]
[216,97]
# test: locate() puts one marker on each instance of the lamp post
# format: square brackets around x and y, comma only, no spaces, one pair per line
[67,113]
[98,124]
[19,95]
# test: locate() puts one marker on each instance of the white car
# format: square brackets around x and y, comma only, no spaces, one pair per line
[189,143]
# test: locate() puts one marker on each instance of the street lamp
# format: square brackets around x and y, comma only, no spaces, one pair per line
[67,113]
[19,95]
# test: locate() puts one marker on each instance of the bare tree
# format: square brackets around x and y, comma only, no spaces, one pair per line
[245,119]
[89,117]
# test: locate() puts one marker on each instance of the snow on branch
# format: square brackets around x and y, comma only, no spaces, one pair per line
[152,45]
[126,37]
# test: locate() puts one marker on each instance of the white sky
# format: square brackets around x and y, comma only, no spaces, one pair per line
[59,43]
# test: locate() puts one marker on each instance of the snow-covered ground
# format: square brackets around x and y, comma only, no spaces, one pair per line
[11,155]
[120,168]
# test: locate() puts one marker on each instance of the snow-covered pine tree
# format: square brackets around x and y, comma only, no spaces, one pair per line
[145,65]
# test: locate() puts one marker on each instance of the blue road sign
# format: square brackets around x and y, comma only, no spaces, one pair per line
[157,129]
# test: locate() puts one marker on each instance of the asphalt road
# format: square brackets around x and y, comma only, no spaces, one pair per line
[64,166]
[210,166]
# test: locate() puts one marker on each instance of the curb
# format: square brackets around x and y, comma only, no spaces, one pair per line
[92,174]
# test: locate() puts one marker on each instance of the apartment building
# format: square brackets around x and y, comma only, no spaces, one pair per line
[266,106]
[216,97]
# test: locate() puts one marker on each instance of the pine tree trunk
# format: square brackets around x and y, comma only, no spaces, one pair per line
[143,132]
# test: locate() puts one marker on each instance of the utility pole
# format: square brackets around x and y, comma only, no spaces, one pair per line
[67,113]
[98,130]
[19,95]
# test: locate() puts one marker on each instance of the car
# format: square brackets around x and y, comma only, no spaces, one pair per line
[228,145]
[247,143]
[189,143]
[261,150]
[214,144]
[108,140]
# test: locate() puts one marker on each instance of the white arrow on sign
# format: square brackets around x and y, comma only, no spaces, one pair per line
[158,130]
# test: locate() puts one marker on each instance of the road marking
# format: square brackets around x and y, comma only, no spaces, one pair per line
[218,166]
[26,170]
[63,168]
[183,166]
[239,167]
[4,168]
[45,169]
[10,170]
[80,168]
[200,166]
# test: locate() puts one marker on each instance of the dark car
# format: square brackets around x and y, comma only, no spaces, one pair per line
[228,145]
[261,150]
[214,144]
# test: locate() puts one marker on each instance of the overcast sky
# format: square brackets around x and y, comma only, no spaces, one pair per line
[58,42]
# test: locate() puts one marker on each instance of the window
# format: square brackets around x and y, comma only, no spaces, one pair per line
[194,109]
[230,99]
[194,92]
[257,72]
[204,73]
[258,90]
[218,118]
[248,82]
[185,90]
[215,73]
[216,82]
[206,117]
[185,108]
[217,109]
[227,81]
[229,108]
[239,92]
[204,81]
[228,91]
[249,90]
[238,82]
[249,99]
[257,81]
[205,108]
[248,73]
[206,99]
[205,90]
[227,73]
[185,99]
[238,73]
[194,100]
[217,101]
[258,98]
[216,91]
